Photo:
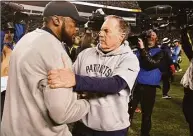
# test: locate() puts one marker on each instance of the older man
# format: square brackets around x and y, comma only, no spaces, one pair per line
[31,107]
[108,70]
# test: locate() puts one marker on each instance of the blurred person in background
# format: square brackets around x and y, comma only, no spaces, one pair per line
[166,43]
[167,74]
[176,55]
[11,33]
[86,41]
[74,49]
[7,47]
[21,25]
[153,61]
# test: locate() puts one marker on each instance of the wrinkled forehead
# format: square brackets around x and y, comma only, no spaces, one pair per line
[110,23]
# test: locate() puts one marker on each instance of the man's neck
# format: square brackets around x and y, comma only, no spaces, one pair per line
[52,31]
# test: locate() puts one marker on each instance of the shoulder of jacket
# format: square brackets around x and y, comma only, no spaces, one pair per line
[156,49]
[86,52]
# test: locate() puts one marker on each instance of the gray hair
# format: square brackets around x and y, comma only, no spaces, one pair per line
[123,25]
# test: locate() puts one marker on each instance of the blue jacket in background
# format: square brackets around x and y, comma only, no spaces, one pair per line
[175,53]
[2,39]
[151,77]
[19,32]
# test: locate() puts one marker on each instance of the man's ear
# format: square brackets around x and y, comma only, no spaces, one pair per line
[122,36]
[56,20]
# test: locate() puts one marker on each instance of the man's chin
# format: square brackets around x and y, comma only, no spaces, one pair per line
[106,49]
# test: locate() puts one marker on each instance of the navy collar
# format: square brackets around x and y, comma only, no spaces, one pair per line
[50,31]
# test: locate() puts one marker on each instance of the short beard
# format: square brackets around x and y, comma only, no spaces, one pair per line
[65,37]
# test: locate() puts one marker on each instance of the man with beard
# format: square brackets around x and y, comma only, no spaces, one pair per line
[31,106]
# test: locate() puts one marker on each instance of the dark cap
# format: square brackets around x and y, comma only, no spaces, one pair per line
[63,8]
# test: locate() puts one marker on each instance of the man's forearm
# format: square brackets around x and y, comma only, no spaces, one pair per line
[150,62]
[108,85]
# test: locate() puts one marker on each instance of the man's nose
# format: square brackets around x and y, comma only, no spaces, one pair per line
[101,33]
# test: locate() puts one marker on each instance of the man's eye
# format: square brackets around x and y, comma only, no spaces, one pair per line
[106,30]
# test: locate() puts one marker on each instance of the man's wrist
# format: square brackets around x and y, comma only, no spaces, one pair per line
[77,79]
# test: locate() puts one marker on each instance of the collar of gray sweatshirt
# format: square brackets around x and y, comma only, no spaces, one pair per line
[123,49]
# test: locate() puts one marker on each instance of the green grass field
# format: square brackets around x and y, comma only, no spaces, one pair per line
[167,117]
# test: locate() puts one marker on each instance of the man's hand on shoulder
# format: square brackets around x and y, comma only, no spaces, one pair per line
[61,78]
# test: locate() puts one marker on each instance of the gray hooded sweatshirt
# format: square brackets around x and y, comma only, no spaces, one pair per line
[108,113]
[31,107]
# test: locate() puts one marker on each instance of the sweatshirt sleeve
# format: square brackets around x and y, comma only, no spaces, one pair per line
[61,103]
[148,62]
[61,108]
[99,84]
[128,69]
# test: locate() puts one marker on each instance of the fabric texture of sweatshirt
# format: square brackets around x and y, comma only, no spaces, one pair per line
[187,79]
[31,107]
[109,112]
